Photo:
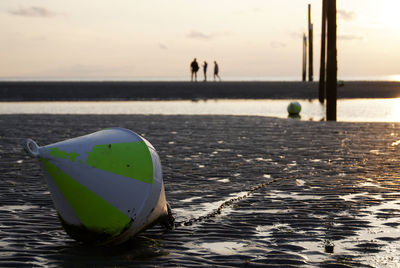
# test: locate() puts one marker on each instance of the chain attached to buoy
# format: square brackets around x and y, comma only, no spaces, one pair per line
[168,221]
[227,203]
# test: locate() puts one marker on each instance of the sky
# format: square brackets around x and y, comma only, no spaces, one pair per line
[127,39]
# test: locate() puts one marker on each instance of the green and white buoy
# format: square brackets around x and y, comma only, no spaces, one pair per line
[294,108]
[106,186]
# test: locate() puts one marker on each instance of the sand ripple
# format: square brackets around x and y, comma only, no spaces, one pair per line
[324,198]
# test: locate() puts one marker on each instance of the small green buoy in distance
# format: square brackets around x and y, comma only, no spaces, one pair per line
[294,108]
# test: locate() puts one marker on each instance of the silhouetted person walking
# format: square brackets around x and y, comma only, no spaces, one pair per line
[216,70]
[205,70]
[194,66]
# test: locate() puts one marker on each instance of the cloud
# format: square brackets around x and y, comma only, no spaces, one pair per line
[39,38]
[33,11]
[349,37]
[84,70]
[277,44]
[346,15]
[257,10]
[198,35]
[297,35]
[162,46]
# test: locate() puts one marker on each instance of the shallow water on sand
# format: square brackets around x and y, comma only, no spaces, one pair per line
[348,110]
[330,201]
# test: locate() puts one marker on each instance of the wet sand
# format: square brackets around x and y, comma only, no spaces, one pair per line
[72,91]
[299,193]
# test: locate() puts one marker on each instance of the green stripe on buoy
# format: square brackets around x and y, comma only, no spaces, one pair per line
[131,159]
[64,155]
[93,211]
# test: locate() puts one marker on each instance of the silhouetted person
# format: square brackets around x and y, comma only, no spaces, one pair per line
[205,70]
[216,70]
[194,66]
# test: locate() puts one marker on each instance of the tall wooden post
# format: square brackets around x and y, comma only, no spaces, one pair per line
[304,57]
[321,88]
[331,71]
[310,45]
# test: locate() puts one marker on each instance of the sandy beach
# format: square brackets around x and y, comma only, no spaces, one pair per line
[296,193]
[64,91]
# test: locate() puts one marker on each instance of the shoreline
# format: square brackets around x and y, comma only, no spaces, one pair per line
[124,90]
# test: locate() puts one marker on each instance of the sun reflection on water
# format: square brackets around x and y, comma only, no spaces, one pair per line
[349,110]
[396,108]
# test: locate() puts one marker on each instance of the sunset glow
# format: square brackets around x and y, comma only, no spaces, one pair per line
[127,39]
[395,77]
[390,14]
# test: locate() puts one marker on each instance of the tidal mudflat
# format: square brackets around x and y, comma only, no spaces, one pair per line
[245,190]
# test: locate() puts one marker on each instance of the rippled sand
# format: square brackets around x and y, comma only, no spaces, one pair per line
[244,190]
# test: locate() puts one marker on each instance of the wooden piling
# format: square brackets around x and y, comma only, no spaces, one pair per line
[321,86]
[331,66]
[310,46]
[304,57]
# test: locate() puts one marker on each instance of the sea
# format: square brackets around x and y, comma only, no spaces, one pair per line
[348,110]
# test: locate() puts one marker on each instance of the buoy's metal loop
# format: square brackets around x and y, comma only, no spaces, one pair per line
[31,147]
